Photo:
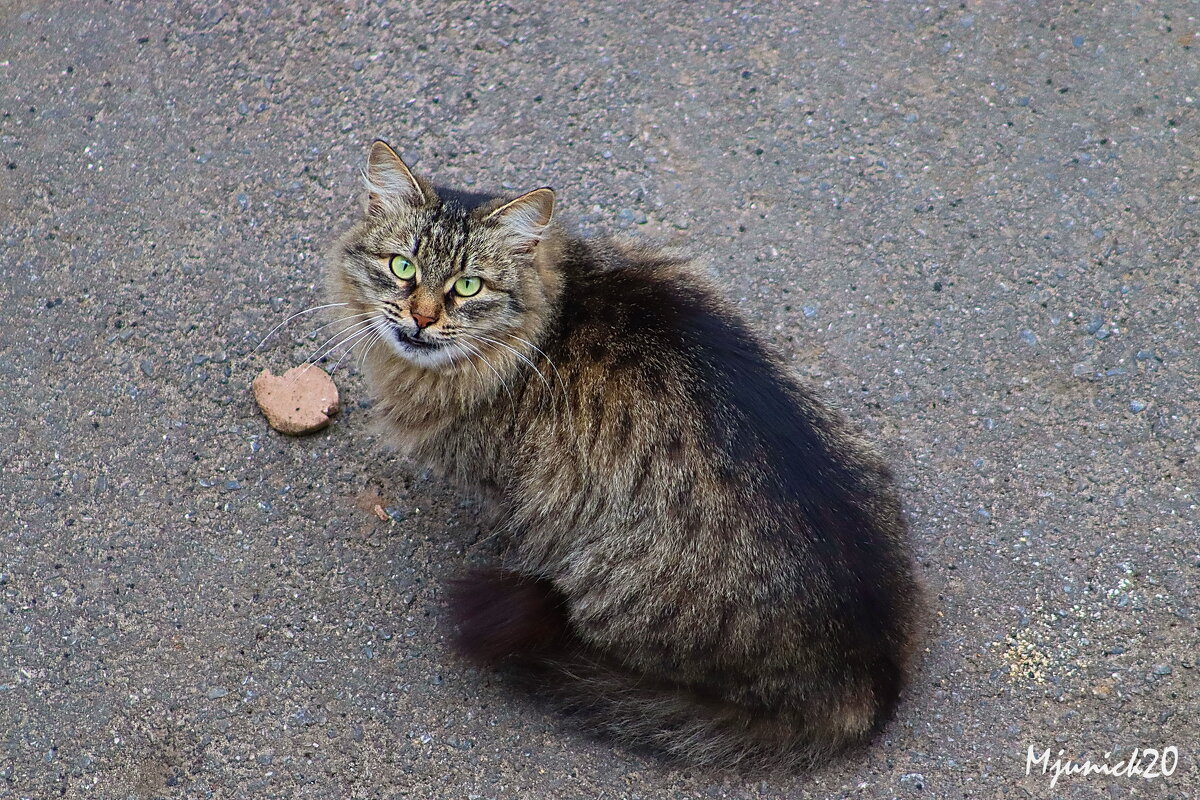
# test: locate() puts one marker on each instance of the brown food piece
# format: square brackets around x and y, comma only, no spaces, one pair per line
[299,401]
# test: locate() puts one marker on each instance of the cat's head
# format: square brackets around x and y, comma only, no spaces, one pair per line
[437,282]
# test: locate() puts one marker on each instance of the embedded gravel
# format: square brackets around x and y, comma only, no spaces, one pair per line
[974,226]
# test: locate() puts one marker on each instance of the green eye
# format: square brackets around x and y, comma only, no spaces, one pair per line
[402,268]
[465,287]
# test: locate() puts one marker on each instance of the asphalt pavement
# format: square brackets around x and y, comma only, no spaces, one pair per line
[973,226]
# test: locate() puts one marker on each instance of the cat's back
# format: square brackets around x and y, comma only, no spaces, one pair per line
[698,481]
[648,331]
[632,307]
[672,382]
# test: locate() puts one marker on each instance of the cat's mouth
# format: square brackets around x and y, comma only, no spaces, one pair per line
[416,349]
[411,341]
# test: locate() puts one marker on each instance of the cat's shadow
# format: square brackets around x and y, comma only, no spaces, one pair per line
[468,200]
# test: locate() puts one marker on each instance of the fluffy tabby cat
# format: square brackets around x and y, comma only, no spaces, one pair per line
[703,558]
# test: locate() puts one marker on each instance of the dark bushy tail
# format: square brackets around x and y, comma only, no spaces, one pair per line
[504,617]
[500,615]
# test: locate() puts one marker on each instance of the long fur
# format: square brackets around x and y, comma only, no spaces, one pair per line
[505,619]
[704,558]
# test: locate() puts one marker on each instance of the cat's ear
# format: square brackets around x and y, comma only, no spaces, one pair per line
[390,183]
[527,217]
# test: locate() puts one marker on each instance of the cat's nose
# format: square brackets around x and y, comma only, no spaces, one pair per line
[422,320]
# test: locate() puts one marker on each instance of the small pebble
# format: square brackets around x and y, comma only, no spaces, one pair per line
[1162,669]
[216,692]
[1137,406]
[303,716]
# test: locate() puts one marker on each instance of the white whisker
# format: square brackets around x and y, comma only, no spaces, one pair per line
[515,352]
[549,361]
[458,348]
[293,316]
[561,383]
[499,377]
[324,350]
[346,318]
[321,347]
[381,331]
[355,337]
[566,396]
[373,333]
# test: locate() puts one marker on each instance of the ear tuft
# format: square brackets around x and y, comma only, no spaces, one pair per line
[390,184]
[527,217]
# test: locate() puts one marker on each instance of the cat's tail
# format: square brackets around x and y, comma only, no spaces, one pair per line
[507,618]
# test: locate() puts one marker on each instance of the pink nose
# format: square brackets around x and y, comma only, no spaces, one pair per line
[422,320]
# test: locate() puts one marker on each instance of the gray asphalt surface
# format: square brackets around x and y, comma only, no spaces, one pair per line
[973,226]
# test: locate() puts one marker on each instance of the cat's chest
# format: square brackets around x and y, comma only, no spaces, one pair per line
[415,410]
[427,418]
[466,457]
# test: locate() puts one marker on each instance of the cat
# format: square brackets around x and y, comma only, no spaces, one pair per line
[703,558]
